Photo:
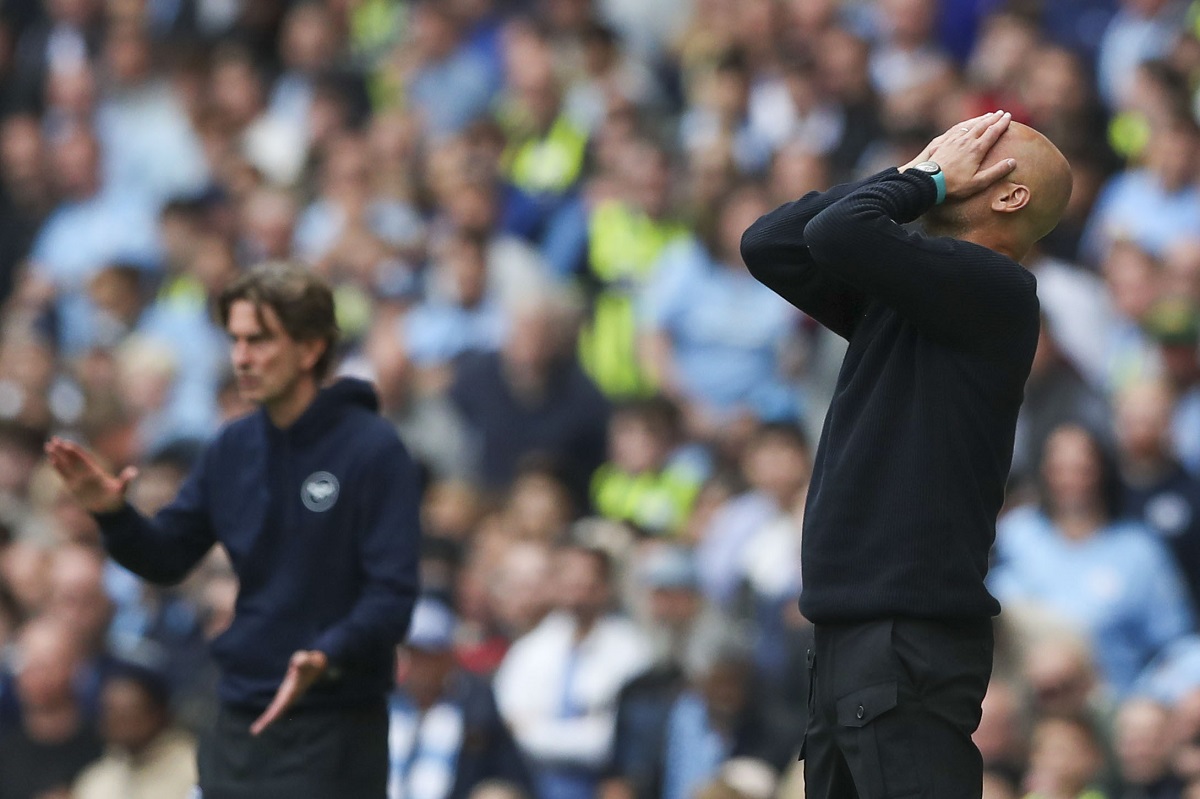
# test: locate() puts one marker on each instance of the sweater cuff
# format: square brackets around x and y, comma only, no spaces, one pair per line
[112,522]
[913,193]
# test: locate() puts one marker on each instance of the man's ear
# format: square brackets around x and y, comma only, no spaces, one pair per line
[1013,197]
[311,352]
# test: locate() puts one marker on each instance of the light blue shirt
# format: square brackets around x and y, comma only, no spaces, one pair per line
[1119,586]
[78,240]
[726,330]
[1135,207]
[436,332]
[453,92]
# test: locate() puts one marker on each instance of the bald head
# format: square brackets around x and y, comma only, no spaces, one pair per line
[1042,169]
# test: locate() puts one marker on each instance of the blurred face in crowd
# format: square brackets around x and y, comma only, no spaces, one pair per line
[269,365]
[236,90]
[1133,278]
[1071,470]
[581,588]
[309,42]
[1143,741]
[21,151]
[77,595]
[777,466]
[1171,156]
[269,217]
[637,444]
[1000,735]
[1181,269]
[539,507]
[518,591]
[741,210]
[76,166]
[127,53]
[533,340]
[1060,675]
[795,172]
[48,658]
[910,22]
[24,567]
[648,176]
[725,690]
[675,607]
[1144,420]
[466,260]
[1065,758]
[1055,86]
[130,717]
[423,673]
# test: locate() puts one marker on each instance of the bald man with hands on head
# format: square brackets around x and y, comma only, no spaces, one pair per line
[910,472]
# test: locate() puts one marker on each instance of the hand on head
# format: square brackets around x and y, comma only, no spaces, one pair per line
[962,151]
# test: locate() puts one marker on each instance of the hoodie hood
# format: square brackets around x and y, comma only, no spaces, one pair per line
[345,394]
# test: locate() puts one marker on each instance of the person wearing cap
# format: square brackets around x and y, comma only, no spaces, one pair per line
[446,735]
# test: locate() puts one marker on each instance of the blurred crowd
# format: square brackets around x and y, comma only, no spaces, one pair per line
[531,212]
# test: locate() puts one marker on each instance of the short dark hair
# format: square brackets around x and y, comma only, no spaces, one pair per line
[302,301]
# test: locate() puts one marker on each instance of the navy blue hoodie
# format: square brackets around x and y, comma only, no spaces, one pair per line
[321,522]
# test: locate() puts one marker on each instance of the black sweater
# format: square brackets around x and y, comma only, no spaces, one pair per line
[910,472]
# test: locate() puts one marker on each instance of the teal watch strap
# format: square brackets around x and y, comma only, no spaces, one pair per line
[939,180]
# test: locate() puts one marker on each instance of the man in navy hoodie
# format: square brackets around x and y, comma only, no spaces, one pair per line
[315,499]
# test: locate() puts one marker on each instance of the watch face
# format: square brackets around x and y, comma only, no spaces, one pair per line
[928,166]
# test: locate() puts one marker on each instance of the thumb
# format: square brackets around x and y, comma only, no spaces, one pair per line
[986,177]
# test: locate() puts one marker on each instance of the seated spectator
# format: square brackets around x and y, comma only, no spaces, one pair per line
[54,740]
[714,720]
[1055,394]
[679,623]
[470,320]
[1003,732]
[446,734]
[557,687]
[1157,490]
[1069,554]
[719,363]
[1066,760]
[1143,749]
[1173,324]
[776,465]
[148,757]
[1134,280]
[1151,206]
[641,483]
[531,397]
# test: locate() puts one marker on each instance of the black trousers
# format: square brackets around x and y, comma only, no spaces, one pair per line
[313,754]
[892,706]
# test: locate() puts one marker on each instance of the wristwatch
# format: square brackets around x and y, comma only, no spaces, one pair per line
[934,171]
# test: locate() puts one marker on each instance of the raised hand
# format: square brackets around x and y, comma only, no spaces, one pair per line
[96,489]
[305,667]
[963,150]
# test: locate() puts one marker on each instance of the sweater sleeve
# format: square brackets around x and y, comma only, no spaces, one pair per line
[163,549]
[956,291]
[776,253]
[389,543]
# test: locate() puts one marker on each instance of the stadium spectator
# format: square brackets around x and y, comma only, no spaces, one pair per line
[147,757]
[557,687]
[1072,555]
[54,739]
[446,735]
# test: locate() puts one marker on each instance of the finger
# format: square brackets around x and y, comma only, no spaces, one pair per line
[283,698]
[995,130]
[968,123]
[983,122]
[986,177]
